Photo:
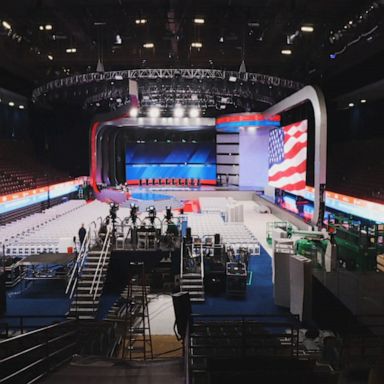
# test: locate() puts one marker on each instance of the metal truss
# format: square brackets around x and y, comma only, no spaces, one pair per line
[153,74]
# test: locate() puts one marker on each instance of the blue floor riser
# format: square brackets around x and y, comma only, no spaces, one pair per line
[48,297]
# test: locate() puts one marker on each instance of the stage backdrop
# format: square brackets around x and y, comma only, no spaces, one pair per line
[288,158]
[164,160]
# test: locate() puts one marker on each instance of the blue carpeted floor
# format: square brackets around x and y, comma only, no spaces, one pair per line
[47,298]
[259,297]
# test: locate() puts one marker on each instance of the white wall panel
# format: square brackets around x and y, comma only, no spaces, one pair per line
[227,148]
[226,159]
[228,169]
[227,138]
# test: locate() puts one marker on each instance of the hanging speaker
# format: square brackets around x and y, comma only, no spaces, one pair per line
[217,238]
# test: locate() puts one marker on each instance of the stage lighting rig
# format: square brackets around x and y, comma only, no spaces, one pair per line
[113,214]
[133,213]
[151,214]
[168,213]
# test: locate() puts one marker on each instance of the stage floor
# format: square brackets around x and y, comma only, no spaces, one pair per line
[172,195]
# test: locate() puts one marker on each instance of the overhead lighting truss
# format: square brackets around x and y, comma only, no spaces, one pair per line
[154,74]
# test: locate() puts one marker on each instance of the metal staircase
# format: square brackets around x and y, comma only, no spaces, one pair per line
[192,271]
[88,279]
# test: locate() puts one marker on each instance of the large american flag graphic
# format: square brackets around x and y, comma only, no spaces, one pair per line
[288,157]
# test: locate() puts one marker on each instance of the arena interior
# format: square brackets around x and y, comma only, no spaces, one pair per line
[192,191]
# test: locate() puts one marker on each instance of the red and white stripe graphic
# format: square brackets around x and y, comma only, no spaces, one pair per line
[290,173]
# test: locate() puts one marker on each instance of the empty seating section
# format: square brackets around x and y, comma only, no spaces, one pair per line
[234,234]
[52,231]
[19,171]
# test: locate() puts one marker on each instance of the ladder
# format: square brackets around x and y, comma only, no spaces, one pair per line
[134,318]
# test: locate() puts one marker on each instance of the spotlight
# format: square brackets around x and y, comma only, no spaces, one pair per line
[148,45]
[199,20]
[168,213]
[118,40]
[363,101]
[48,27]
[41,27]
[11,104]
[286,52]
[133,112]
[71,50]
[351,105]
[143,21]
[196,44]
[194,112]
[21,106]
[6,25]
[307,28]
[221,40]
[332,56]
[178,111]
[50,57]
[232,79]
[154,112]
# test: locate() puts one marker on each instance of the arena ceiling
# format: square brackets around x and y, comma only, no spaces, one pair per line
[42,40]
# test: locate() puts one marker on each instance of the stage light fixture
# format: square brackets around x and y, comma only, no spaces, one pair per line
[71,50]
[148,45]
[21,106]
[199,20]
[351,105]
[178,111]
[118,40]
[41,28]
[232,79]
[363,101]
[286,52]
[194,112]
[11,104]
[221,40]
[307,28]
[48,27]
[197,44]
[6,25]
[133,112]
[50,57]
[154,112]
[118,77]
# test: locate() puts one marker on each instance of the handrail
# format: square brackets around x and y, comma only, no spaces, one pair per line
[103,254]
[202,262]
[79,262]
[102,267]
[181,258]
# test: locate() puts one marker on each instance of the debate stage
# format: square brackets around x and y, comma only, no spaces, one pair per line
[162,196]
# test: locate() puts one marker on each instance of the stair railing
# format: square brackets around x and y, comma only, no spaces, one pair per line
[79,263]
[101,263]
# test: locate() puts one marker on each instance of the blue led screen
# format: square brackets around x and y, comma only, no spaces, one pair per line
[160,160]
